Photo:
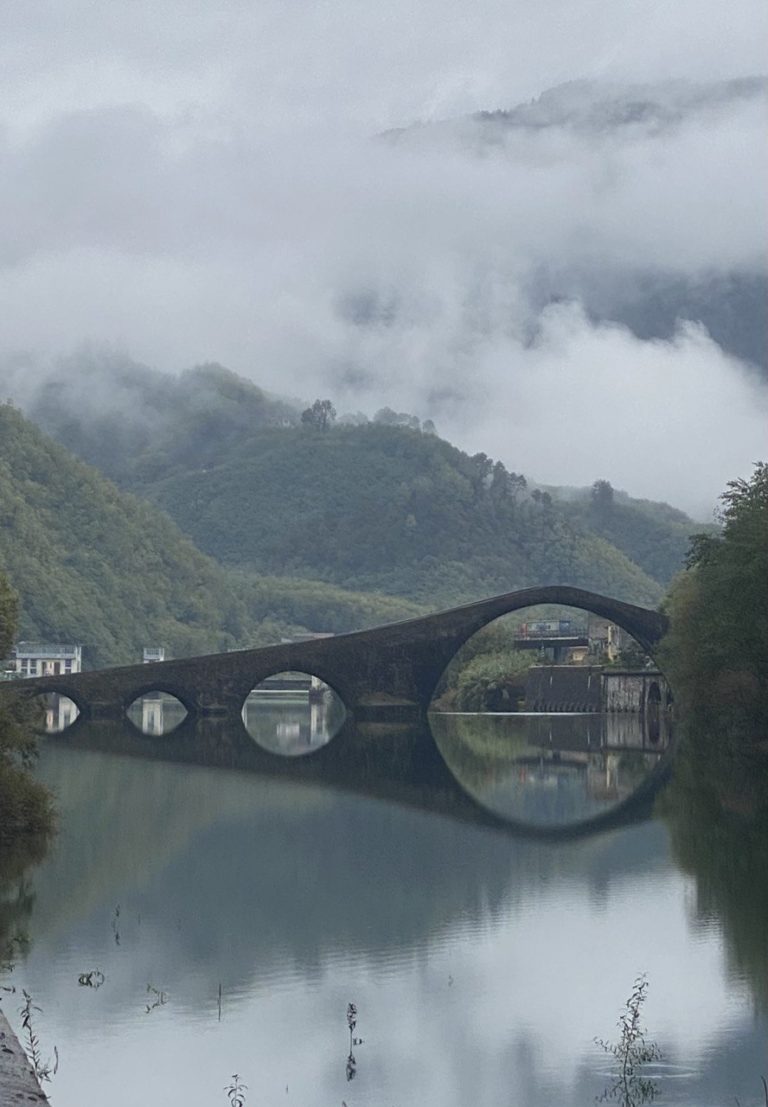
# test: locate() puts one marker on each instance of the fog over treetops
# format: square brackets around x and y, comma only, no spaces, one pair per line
[542,229]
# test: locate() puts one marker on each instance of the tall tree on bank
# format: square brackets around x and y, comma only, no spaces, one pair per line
[717,649]
[25,805]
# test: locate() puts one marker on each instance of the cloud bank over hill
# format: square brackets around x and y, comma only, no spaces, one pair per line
[574,286]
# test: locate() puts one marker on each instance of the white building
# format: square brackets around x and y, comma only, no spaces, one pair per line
[35,659]
[153,653]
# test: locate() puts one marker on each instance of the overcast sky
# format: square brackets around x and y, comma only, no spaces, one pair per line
[200,181]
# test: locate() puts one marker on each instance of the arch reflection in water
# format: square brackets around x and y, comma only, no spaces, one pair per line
[156,713]
[552,771]
[58,713]
[292,714]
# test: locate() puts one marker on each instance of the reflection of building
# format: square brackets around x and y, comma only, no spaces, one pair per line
[60,713]
[152,715]
[156,713]
[290,728]
[34,659]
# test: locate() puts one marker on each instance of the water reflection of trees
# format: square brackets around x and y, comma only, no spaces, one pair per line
[379,876]
[16,894]
[717,812]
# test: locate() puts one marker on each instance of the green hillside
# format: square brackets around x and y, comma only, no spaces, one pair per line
[371,506]
[95,565]
[653,535]
[385,508]
[111,411]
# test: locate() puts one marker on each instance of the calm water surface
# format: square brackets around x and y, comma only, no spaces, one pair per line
[483,963]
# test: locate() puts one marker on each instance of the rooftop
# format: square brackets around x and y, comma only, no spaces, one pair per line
[45,650]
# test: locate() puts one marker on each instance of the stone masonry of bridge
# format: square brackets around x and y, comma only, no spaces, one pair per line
[387,672]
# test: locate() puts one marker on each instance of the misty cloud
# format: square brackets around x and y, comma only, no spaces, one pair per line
[218,192]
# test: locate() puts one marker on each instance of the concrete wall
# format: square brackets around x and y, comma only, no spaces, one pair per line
[635,691]
[592,688]
[563,688]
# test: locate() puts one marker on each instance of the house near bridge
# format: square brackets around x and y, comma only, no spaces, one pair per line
[36,659]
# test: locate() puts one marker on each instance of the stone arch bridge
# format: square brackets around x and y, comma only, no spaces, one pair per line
[389,672]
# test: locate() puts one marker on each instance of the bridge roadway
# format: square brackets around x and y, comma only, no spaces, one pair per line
[389,672]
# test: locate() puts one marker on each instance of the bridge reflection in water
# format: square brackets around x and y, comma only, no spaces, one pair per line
[551,770]
[543,775]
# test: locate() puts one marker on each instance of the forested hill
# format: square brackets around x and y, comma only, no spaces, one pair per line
[386,508]
[653,535]
[379,505]
[97,566]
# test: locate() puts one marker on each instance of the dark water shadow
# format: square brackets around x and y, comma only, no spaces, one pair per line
[402,764]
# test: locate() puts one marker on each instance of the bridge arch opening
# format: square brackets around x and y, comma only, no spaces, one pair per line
[548,657]
[156,712]
[292,713]
[54,712]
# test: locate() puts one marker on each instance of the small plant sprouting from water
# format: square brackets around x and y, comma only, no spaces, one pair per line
[236,1091]
[92,979]
[160,1000]
[351,1068]
[116,924]
[43,1070]
[631,1086]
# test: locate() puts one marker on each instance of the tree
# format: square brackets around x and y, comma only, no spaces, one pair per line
[9,612]
[601,499]
[392,418]
[320,416]
[25,804]
[717,648]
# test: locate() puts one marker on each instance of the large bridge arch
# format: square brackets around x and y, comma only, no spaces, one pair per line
[646,626]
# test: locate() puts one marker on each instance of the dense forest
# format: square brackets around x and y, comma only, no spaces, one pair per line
[387,508]
[25,806]
[94,565]
[382,505]
[717,648]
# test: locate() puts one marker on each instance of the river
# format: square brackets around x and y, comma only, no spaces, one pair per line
[228,916]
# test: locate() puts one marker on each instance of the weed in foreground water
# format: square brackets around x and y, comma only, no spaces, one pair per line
[236,1091]
[632,1086]
[43,1070]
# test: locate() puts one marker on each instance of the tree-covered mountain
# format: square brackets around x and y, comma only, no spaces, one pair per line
[110,411]
[372,506]
[653,535]
[385,508]
[95,565]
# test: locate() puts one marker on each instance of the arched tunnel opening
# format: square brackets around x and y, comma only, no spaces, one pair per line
[292,714]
